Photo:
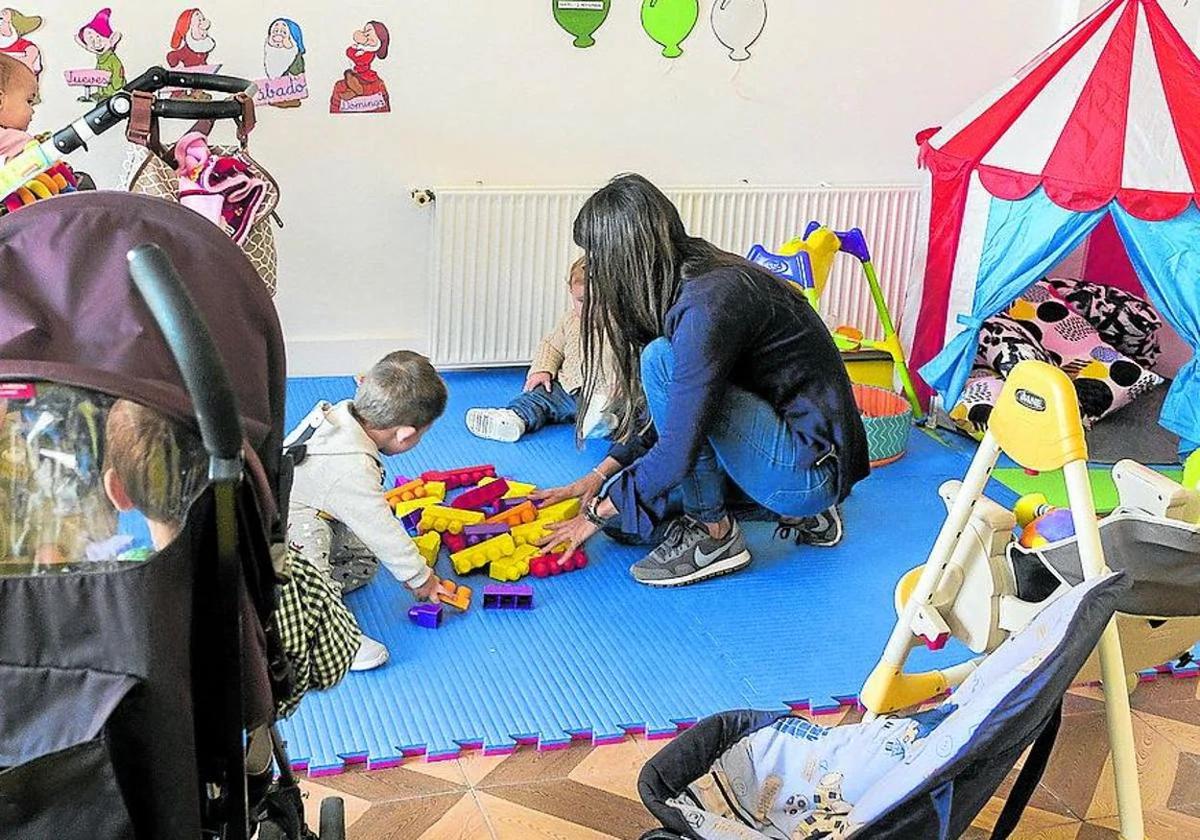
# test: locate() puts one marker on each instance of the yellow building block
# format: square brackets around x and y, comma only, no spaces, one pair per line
[405,508]
[516,489]
[515,566]
[559,512]
[529,534]
[429,545]
[438,518]
[478,556]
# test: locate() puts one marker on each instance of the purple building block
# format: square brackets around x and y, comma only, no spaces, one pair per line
[426,615]
[411,521]
[505,504]
[508,596]
[476,534]
[401,480]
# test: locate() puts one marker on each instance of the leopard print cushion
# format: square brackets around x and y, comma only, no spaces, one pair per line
[1124,320]
[1003,343]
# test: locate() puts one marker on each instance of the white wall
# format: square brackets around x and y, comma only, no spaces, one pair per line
[493,92]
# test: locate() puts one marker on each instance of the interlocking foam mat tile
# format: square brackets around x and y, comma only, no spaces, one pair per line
[600,656]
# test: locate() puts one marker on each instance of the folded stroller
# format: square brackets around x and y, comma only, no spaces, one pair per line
[130,677]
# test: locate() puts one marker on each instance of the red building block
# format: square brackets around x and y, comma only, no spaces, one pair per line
[479,498]
[461,477]
[547,565]
[454,542]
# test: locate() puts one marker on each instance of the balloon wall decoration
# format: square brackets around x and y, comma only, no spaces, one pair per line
[581,18]
[738,24]
[669,22]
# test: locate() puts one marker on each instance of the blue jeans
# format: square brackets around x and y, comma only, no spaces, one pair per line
[749,444]
[540,407]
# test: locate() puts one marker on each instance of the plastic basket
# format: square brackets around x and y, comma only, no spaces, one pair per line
[888,420]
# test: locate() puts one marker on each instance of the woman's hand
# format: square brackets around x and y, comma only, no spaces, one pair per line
[573,533]
[538,378]
[583,488]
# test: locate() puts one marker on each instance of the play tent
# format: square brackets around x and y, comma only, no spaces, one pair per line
[1105,123]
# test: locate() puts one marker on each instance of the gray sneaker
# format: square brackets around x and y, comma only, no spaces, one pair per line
[688,554]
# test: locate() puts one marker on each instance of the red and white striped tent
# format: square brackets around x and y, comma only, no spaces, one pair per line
[1105,122]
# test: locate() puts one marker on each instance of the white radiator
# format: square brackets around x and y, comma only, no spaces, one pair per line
[500,256]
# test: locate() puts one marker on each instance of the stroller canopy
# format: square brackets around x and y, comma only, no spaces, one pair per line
[70,314]
[1104,124]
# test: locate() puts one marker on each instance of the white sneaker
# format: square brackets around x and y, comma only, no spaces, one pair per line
[502,424]
[371,654]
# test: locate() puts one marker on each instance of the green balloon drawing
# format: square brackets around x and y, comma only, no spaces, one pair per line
[581,18]
[669,22]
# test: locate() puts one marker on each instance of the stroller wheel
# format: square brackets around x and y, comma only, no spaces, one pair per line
[660,834]
[333,818]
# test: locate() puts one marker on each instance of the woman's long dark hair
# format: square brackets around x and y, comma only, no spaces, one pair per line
[638,257]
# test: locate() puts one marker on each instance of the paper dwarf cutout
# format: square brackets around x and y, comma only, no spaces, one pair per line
[98,37]
[581,18]
[361,90]
[192,45]
[283,61]
[670,22]
[14,26]
[738,24]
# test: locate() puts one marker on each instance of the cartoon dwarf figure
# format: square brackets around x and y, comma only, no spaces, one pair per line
[14,26]
[361,80]
[191,44]
[97,36]
[283,54]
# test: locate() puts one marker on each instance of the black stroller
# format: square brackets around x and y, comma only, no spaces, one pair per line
[133,681]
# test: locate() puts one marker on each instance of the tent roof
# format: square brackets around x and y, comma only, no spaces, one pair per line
[1111,111]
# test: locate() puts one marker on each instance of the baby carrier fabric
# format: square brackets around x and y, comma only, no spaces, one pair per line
[758,776]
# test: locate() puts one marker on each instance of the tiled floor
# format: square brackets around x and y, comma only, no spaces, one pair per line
[588,793]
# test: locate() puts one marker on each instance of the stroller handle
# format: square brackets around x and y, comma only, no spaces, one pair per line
[178,109]
[157,78]
[203,371]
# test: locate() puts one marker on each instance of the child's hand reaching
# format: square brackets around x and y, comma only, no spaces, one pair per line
[428,590]
[538,378]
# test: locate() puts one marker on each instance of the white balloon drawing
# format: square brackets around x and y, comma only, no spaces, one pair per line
[738,24]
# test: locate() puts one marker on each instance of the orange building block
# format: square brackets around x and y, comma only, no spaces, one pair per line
[453,595]
[522,514]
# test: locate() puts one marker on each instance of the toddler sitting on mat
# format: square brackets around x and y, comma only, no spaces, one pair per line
[339,475]
[553,385]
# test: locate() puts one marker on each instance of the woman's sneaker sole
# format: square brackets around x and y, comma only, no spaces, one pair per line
[722,567]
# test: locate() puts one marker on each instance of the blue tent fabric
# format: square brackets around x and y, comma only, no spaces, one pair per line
[1166,256]
[1024,240]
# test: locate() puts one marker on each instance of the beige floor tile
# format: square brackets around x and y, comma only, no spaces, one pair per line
[1162,825]
[475,767]
[447,771]
[510,821]
[1034,820]
[613,767]
[465,821]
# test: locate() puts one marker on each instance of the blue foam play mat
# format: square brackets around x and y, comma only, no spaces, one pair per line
[600,656]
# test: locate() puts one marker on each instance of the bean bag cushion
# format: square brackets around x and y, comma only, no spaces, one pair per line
[1003,343]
